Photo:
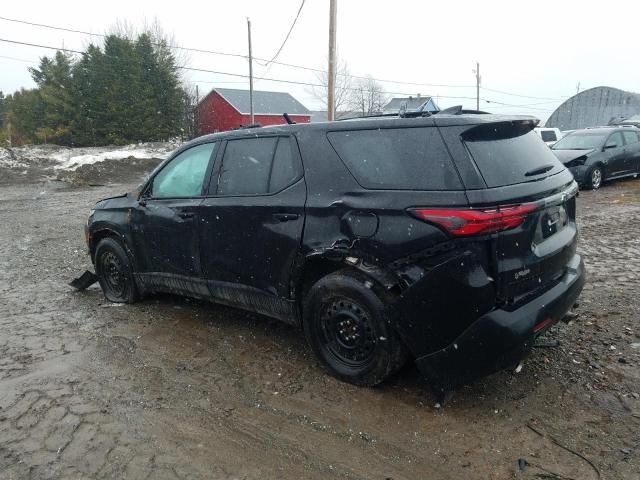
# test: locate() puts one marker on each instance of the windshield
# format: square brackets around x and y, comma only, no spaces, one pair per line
[580,141]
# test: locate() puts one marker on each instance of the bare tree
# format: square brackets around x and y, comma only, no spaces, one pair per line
[164,41]
[367,96]
[344,86]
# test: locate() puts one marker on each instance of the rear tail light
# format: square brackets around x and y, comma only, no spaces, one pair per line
[463,223]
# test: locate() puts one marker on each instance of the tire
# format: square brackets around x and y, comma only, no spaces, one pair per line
[594,178]
[114,272]
[347,326]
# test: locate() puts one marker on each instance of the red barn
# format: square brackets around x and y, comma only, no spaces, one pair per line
[227,108]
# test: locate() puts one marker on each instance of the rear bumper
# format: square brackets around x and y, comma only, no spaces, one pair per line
[501,337]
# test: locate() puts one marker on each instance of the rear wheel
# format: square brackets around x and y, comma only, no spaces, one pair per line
[114,272]
[347,325]
[594,178]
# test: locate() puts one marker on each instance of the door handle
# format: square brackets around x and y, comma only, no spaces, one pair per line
[285,217]
[186,215]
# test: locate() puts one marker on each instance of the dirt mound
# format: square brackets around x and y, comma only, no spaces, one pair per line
[81,166]
[126,170]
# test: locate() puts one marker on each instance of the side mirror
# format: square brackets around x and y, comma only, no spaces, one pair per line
[608,146]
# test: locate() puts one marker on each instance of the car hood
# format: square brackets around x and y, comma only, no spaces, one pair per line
[124,199]
[565,156]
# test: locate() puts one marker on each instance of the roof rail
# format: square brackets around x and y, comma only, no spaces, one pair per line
[251,125]
[458,110]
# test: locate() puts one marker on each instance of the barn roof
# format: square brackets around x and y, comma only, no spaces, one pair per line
[410,103]
[264,103]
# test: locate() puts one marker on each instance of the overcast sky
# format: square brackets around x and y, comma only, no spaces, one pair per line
[534,49]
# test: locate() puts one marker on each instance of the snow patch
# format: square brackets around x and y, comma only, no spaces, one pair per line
[71,159]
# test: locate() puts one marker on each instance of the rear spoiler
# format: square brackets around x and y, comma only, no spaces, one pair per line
[499,130]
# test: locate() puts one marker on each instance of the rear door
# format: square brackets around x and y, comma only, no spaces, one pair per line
[518,169]
[251,224]
[632,151]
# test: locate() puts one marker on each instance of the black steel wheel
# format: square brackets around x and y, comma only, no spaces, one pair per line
[346,323]
[114,272]
[347,332]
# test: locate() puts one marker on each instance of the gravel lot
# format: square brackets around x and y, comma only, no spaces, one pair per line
[170,388]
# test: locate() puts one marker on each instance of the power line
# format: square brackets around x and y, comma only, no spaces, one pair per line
[290,65]
[19,59]
[278,80]
[287,37]
[40,46]
[522,96]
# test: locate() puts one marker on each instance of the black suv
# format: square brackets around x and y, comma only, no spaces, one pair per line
[449,239]
[597,154]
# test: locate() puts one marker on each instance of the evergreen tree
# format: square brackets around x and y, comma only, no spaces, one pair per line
[54,80]
[126,90]
[25,111]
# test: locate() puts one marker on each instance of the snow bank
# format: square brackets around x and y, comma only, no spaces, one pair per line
[71,159]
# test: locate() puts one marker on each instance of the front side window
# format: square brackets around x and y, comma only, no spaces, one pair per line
[184,175]
[257,166]
[614,141]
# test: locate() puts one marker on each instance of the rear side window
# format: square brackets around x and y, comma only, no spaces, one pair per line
[507,153]
[548,136]
[630,137]
[257,166]
[397,158]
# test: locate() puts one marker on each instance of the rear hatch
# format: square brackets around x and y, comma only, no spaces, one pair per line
[524,180]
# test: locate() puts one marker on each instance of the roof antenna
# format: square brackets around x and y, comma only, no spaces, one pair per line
[288,119]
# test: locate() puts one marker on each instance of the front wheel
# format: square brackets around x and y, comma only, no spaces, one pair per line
[114,272]
[347,325]
[594,178]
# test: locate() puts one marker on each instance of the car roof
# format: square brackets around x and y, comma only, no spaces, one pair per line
[603,129]
[364,123]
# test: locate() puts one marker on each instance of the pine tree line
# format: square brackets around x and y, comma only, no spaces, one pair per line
[126,90]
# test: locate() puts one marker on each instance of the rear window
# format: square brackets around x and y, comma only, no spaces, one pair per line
[507,154]
[548,135]
[397,158]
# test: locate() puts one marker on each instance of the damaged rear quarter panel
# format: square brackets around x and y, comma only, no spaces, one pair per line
[344,219]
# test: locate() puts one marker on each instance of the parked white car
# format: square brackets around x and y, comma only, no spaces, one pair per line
[549,135]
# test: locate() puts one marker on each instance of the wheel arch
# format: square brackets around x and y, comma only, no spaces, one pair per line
[108,231]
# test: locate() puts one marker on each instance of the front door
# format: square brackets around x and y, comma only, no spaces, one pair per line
[166,224]
[615,155]
[251,224]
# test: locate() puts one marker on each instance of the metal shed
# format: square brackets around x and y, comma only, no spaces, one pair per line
[593,107]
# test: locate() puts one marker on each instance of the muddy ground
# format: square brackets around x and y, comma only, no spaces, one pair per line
[170,388]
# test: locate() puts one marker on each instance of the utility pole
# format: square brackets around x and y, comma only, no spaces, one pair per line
[477,72]
[196,115]
[331,76]
[251,121]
